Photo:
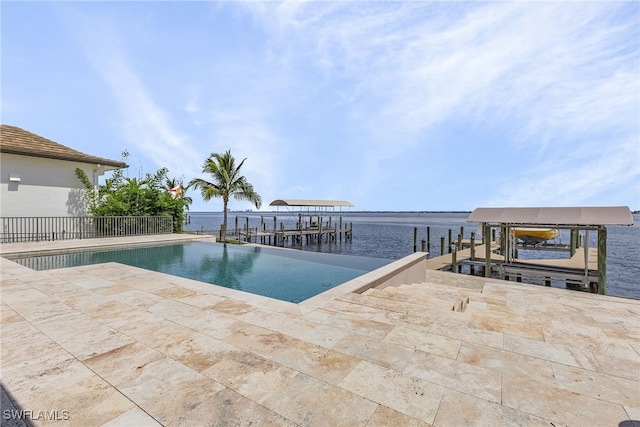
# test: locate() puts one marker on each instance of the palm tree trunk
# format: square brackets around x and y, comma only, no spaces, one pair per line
[224,220]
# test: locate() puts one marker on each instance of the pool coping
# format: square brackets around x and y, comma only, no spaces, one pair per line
[409,269]
[26,249]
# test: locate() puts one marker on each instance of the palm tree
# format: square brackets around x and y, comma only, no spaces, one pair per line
[227,182]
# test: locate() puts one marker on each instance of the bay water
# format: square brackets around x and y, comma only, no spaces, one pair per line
[389,235]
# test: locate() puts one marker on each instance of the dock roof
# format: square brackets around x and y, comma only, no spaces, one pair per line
[310,203]
[587,216]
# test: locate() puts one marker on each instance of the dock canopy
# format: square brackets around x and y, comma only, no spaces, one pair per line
[310,203]
[587,216]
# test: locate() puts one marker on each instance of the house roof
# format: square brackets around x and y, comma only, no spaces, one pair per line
[14,140]
[599,215]
[310,203]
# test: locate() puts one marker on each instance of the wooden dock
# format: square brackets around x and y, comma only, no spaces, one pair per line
[572,269]
[444,262]
[307,229]
[295,236]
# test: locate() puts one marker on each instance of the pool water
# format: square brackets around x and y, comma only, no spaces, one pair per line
[287,275]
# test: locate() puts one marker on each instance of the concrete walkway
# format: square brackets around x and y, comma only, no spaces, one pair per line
[113,345]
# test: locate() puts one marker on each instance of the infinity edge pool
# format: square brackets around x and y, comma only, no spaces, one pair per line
[410,269]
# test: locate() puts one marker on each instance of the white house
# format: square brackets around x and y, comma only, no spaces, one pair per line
[37,175]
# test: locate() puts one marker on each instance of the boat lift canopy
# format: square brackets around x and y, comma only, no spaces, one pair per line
[576,218]
[307,204]
[557,216]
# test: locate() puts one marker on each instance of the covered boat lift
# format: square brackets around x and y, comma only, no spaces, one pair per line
[574,219]
[314,221]
[316,205]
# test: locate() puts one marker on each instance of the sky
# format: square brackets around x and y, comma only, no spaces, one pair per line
[392,105]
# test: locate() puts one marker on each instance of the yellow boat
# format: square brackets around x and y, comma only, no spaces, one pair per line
[534,236]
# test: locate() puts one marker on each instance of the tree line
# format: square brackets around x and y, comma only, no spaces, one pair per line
[158,194]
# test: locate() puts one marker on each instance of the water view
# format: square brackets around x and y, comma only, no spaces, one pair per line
[390,235]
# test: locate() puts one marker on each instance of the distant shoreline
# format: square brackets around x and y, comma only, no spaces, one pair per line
[636,212]
[281,211]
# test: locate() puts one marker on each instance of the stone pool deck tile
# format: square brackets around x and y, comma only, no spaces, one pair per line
[506,324]
[118,345]
[576,356]
[625,365]
[309,401]
[38,373]
[599,386]
[407,394]
[315,333]
[158,384]
[319,362]
[157,333]
[81,335]
[260,341]
[466,333]
[460,409]
[269,319]
[380,352]
[134,417]
[455,374]
[500,361]
[385,417]
[562,407]
[424,341]
[353,324]
[228,408]
[250,375]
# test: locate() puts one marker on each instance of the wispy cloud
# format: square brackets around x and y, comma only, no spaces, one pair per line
[560,77]
[247,134]
[317,94]
[591,180]
[144,124]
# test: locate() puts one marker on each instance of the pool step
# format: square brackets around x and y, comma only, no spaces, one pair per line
[459,300]
[405,294]
[423,313]
[434,289]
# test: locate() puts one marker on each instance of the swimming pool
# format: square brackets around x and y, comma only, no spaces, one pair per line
[287,275]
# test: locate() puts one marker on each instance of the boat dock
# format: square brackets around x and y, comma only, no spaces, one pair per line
[571,269]
[583,269]
[447,261]
[313,222]
[307,229]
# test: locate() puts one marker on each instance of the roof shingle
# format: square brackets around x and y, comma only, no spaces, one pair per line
[14,140]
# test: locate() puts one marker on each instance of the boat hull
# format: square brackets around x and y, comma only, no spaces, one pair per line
[535,236]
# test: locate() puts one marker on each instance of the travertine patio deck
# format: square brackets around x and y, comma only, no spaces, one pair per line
[114,345]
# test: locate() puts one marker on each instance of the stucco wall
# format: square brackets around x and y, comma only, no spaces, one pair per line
[47,187]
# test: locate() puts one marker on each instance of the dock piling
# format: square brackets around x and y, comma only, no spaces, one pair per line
[472,250]
[454,260]
[487,250]
[602,260]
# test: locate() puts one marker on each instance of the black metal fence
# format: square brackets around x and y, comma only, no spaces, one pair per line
[36,229]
